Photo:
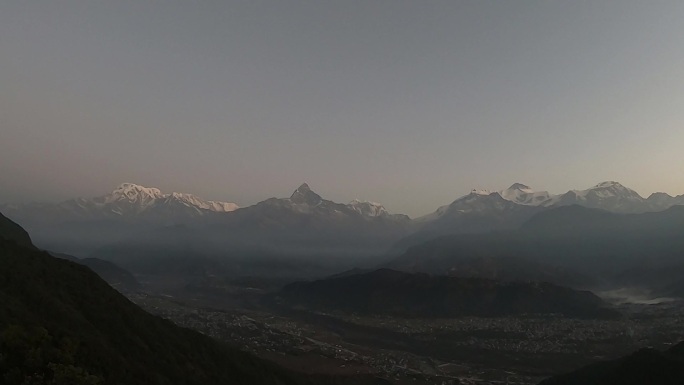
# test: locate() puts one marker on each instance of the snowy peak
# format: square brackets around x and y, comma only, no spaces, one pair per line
[524,195]
[614,189]
[367,209]
[608,184]
[304,195]
[133,193]
[479,192]
[136,199]
[127,202]
[610,196]
[130,199]
[520,187]
[190,200]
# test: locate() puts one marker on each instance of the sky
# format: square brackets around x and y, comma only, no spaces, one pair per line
[407,103]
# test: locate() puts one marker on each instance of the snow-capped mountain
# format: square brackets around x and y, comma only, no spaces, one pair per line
[481,210]
[302,201]
[484,211]
[467,202]
[143,198]
[128,201]
[478,211]
[518,193]
[131,193]
[610,196]
[303,220]
[307,223]
[305,201]
[524,195]
[193,201]
[368,209]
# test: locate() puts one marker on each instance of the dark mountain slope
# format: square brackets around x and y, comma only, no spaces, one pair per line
[61,324]
[390,292]
[574,238]
[13,232]
[119,278]
[513,268]
[647,366]
[586,222]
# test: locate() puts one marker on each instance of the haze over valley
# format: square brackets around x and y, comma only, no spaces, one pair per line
[327,279]
[375,192]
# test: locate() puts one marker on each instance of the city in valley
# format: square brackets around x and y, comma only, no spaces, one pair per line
[358,192]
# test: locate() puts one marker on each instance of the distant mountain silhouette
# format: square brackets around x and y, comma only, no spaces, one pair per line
[304,223]
[577,220]
[559,243]
[394,293]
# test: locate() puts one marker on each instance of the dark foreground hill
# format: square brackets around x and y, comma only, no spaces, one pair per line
[61,324]
[13,232]
[121,279]
[647,366]
[395,293]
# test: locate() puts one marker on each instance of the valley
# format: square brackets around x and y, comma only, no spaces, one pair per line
[292,192]
[510,287]
[472,350]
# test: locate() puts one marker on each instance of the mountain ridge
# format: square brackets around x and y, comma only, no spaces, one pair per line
[132,209]
[419,295]
[128,201]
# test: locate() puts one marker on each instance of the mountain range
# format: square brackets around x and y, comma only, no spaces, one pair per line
[304,221]
[482,211]
[130,200]
[126,202]
[610,196]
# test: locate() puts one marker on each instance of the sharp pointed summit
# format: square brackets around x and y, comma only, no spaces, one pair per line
[519,186]
[304,195]
[303,187]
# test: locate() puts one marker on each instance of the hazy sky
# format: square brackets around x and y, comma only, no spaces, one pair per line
[409,103]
